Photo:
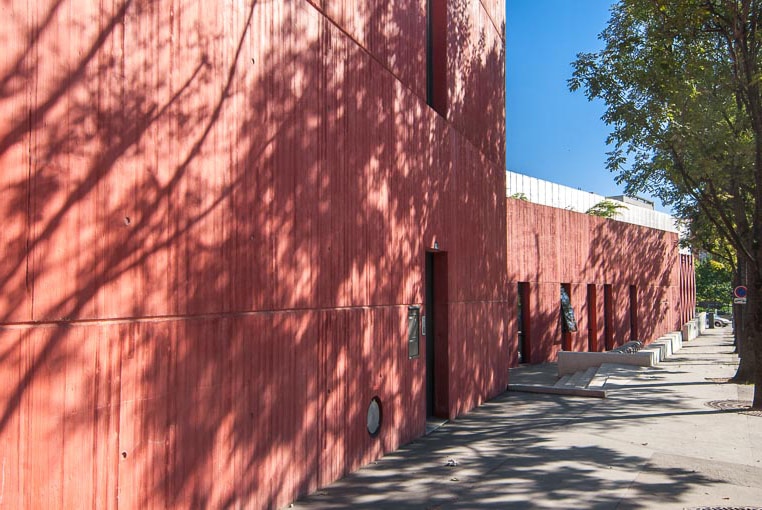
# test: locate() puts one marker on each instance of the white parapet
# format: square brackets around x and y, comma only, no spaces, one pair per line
[552,194]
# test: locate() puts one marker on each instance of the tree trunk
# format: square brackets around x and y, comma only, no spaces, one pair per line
[737,311]
[754,326]
[747,362]
[744,344]
[753,321]
[748,65]
[757,403]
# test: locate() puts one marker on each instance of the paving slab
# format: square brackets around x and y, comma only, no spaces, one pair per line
[666,437]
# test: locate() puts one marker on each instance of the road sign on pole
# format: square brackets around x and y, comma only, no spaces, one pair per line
[740,292]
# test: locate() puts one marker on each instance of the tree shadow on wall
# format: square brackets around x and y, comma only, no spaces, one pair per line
[625,255]
[197,204]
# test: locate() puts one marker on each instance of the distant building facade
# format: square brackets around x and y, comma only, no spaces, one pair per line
[626,277]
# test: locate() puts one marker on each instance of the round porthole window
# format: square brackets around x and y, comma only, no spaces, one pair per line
[374,416]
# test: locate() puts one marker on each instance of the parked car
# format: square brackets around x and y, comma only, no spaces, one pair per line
[721,322]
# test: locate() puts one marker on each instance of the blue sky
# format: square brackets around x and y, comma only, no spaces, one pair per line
[554,134]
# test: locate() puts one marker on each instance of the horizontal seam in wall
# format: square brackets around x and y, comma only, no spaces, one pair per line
[217,315]
[201,316]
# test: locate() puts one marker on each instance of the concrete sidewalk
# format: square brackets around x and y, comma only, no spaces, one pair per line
[666,437]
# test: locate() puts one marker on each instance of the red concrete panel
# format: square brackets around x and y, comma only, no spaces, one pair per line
[475,272]
[544,330]
[687,288]
[396,37]
[476,49]
[16,164]
[17,296]
[475,338]
[621,309]
[78,422]
[14,345]
[593,317]
[391,31]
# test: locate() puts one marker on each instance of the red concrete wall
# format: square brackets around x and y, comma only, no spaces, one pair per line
[548,247]
[214,221]
[687,287]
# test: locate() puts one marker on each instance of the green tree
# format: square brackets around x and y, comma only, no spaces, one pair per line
[713,282]
[703,236]
[680,80]
[606,209]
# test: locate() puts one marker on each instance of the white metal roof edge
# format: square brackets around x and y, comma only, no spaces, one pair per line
[548,193]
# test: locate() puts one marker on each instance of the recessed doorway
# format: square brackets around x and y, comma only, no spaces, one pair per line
[436,324]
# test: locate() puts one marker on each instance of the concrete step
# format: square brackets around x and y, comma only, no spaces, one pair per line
[599,380]
[589,374]
[555,390]
[577,380]
[571,384]
[618,375]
